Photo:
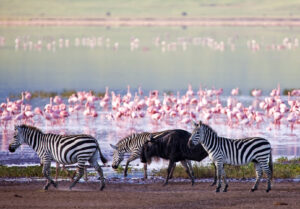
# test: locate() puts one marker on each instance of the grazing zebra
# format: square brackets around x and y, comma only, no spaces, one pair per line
[64,149]
[234,152]
[133,144]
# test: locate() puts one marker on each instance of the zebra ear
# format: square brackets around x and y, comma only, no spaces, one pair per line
[113,146]
[200,122]
[195,124]
[17,127]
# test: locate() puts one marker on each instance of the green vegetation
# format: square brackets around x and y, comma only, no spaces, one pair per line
[29,171]
[120,169]
[147,9]
[283,168]
[45,94]
[287,91]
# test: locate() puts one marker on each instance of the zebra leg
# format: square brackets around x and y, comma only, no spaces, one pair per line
[225,180]
[187,170]
[85,174]
[189,163]
[258,176]
[268,171]
[80,174]
[215,177]
[171,164]
[57,170]
[46,173]
[219,174]
[131,158]
[145,171]
[93,162]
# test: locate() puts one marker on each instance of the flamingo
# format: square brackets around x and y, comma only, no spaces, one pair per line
[292,119]
[235,92]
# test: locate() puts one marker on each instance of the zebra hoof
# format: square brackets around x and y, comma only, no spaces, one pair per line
[193,182]
[268,190]
[45,187]
[252,190]
[225,189]
[102,187]
[217,189]
[165,184]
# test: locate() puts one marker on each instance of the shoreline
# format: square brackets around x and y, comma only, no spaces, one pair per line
[140,181]
[205,21]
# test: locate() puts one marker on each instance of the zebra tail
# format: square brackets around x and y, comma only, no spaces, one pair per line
[271,164]
[103,159]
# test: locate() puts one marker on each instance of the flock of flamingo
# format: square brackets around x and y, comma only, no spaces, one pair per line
[165,44]
[269,112]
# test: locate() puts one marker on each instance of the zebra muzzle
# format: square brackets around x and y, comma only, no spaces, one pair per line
[11,149]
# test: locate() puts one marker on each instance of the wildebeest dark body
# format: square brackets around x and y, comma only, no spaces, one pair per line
[173,147]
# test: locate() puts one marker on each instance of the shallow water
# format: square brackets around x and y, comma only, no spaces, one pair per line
[284,142]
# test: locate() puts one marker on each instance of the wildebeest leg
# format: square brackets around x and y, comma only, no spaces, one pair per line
[184,163]
[132,157]
[215,177]
[171,164]
[46,173]
[145,171]
[172,171]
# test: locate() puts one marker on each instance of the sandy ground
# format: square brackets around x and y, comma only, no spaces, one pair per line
[124,195]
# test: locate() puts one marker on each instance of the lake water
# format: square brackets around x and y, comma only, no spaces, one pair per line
[162,58]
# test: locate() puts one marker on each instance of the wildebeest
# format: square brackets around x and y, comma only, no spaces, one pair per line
[133,144]
[173,147]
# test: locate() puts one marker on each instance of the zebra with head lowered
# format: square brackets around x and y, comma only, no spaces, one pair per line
[234,152]
[64,149]
[133,144]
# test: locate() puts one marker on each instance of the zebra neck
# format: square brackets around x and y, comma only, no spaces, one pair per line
[34,139]
[210,142]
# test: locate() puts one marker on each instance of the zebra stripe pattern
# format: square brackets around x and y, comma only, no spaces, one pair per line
[222,151]
[64,149]
[132,144]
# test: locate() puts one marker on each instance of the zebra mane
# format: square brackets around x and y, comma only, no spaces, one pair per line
[208,128]
[123,141]
[24,126]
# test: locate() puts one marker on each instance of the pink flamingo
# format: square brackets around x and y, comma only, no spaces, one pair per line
[292,119]
[235,92]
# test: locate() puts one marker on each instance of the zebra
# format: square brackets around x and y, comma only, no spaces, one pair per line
[133,144]
[64,149]
[222,151]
